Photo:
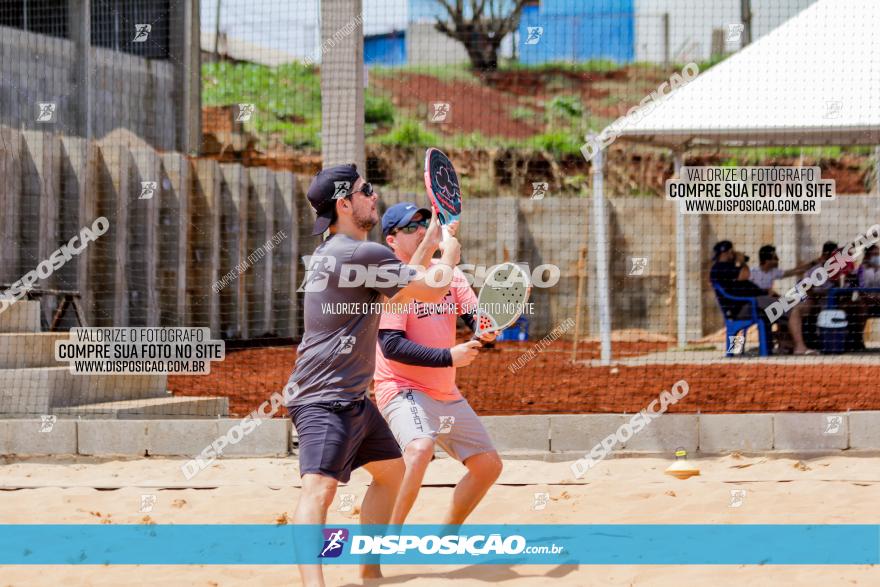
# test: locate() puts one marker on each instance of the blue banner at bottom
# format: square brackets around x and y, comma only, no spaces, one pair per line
[606,544]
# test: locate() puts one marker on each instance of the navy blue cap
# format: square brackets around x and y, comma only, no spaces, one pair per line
[400,215]
[721,247]
[329,185]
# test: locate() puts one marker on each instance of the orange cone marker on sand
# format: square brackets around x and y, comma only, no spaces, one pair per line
[682,468]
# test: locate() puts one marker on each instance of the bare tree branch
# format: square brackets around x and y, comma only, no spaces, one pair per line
[448,8]
[481,35]
[478,11]
[512,21]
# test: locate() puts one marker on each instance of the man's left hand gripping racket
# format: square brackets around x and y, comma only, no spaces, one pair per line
[444,191]
[502,298]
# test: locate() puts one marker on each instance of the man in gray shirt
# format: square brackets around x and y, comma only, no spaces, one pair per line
[339,428]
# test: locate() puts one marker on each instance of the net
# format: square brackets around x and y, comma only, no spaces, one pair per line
[154,157]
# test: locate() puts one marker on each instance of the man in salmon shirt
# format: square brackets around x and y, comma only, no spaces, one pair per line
[415,379]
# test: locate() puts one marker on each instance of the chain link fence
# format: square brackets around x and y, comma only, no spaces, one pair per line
[154,157]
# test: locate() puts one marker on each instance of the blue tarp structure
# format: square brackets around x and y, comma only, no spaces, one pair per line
[385,49]
[577,31]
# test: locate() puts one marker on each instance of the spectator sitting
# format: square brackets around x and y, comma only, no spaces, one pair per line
[869,270]
[768,269]
[864,305]
[730,272]
[869,276]
[815,298]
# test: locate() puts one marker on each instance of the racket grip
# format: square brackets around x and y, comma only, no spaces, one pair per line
[445,231]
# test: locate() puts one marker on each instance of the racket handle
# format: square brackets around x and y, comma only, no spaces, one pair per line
[445,231]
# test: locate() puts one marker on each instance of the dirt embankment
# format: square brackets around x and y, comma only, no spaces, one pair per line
[552,383]
[509,104]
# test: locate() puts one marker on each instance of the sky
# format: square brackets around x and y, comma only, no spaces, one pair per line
[292,25]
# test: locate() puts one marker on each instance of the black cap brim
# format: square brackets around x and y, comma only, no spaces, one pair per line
[322,222]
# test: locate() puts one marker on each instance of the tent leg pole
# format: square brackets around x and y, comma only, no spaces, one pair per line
[600,245]
[680,263]
[877,170]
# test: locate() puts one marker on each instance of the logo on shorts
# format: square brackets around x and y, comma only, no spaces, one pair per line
[334,540]
[414,410]
[318,270]
[446,423]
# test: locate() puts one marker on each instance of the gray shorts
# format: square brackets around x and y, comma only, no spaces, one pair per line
[453,425]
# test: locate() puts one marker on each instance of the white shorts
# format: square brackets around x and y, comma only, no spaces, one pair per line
[454,425]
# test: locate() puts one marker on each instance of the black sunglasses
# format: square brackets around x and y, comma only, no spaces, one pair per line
[366,189]
[413,226]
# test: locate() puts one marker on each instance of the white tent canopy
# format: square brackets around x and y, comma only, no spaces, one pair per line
[815,80]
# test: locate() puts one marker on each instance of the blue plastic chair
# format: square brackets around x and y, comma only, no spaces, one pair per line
[735,326]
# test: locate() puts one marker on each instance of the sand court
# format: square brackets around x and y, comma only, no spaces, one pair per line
[767,490]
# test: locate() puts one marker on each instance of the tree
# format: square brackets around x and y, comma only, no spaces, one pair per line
[480,32]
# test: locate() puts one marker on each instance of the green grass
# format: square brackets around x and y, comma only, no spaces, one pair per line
[569,107]
[752,156]
[526,114]
[558,142]
[287,98]
[711,62]
[378,109]
[408,133]
[477,140]
[460,72]
[594,65]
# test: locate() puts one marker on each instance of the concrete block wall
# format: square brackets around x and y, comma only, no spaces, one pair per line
[128,91]
[174,438]
[21,54]
[33,383]
[641,301]
[547,437]
[161,255]
[575,434]
[137,94]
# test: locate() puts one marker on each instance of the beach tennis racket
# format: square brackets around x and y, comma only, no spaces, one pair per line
[444,191]
[502,298]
